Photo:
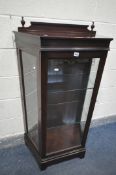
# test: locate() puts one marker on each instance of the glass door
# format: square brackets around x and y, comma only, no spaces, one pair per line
[70,86]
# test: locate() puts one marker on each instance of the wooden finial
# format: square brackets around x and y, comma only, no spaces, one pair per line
[23,21]
[92,26]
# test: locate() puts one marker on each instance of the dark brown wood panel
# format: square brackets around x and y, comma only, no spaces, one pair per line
[54,29]
[70,54]
[74,42]
[63,137]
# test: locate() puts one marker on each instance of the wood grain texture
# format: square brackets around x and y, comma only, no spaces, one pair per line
[62,137]
[50,29]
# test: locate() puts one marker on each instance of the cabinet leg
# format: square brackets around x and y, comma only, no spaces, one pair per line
[42,167]
[82,155]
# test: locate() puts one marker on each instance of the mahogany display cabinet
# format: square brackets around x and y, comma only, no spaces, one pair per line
[60,67]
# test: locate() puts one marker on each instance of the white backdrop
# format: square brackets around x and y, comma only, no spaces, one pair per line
[64,11]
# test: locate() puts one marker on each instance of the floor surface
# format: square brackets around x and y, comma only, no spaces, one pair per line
[100,158]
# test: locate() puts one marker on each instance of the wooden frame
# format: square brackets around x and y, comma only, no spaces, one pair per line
[58,41]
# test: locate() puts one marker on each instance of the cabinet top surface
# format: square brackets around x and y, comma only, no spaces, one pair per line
[60,37]
[58,30]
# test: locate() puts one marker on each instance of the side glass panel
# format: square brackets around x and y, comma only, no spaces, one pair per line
[70,87]
[89,91]
[33,104]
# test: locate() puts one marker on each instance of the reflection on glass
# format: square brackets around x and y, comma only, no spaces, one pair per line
[88,95]
[70,84]
[32,103]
